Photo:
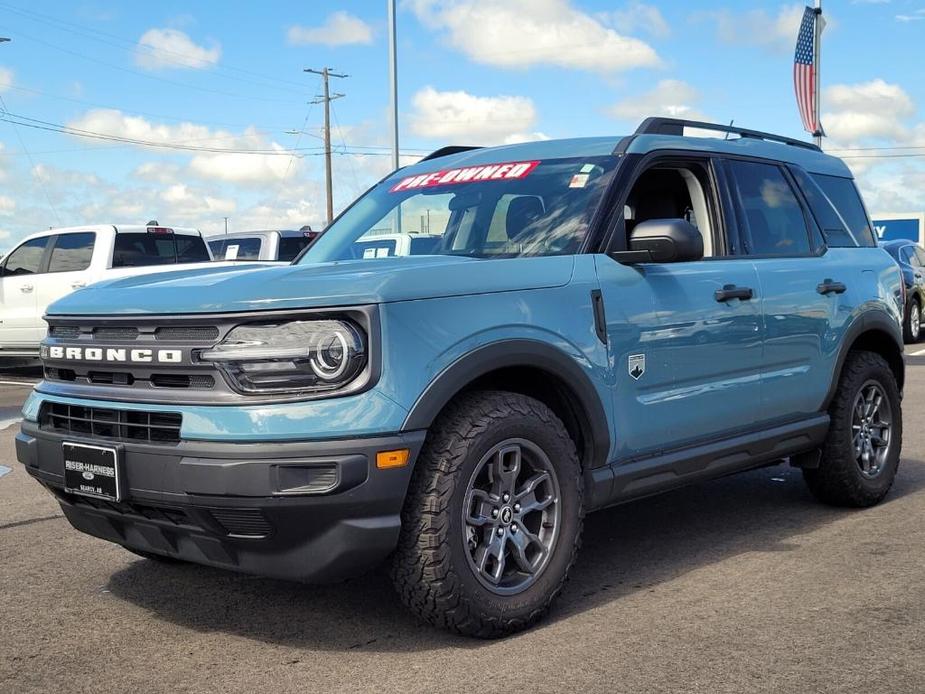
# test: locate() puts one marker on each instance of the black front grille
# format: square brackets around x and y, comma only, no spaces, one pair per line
[105,423]
[64,331]
[182,381]
[242,522]
[115,334]
[187,334]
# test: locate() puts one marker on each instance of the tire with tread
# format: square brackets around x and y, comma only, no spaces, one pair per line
[909,336]
[430,568]
[838,479]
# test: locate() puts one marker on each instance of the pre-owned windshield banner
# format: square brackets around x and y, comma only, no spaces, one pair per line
[488,172]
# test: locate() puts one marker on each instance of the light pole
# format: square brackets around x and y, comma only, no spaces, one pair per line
[393,81]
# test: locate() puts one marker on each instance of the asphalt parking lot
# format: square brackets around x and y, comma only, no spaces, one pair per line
[739,585]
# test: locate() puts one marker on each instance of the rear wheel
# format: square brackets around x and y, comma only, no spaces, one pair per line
[861,453]
[493,518]
[912,326]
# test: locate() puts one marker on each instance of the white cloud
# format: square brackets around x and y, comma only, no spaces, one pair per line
[915,16]
[873,109]
[339,29]
[673,98]
[467,119]
[237,167]
[161,49]
[7,205]
[639,16]
[774,32]
[527,33]
[6,79]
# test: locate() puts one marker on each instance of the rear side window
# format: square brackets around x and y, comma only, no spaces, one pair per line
[143,249]
[290,247]
[236,249]
[26,259]
[72,252]
[771,214]
[834,228]
[844,196]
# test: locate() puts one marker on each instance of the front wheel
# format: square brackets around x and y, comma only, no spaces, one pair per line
[861,452]
[493,518]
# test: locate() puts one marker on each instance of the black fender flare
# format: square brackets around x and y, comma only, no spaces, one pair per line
[519,353]
[869,321]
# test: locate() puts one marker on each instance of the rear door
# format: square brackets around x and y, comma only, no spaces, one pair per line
[803,288]
[20,319]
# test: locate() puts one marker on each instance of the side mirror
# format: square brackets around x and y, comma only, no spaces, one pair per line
[663,241]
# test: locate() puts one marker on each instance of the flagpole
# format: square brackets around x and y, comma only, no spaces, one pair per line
[817,52]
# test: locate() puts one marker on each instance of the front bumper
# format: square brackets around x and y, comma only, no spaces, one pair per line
[310,511]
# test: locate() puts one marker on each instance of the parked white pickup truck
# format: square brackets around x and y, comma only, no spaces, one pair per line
[48,265]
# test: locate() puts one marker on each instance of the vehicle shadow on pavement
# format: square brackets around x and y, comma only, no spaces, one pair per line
[626,549]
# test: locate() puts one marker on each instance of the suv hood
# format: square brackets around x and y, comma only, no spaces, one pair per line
[352,282]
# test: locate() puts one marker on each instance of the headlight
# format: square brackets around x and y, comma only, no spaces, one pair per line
[312,355]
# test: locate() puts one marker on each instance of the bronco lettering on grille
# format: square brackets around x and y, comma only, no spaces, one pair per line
[113,354]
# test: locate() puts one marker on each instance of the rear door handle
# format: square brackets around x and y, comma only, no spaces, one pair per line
[77,284]
[26,288]
[827,286]
[730,291]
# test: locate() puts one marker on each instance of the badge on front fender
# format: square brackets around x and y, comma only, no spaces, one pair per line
[636,365]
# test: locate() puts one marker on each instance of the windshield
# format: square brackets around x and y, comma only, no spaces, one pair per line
[499,210]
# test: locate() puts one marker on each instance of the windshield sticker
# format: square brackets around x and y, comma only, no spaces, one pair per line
[579,180]
[488,172]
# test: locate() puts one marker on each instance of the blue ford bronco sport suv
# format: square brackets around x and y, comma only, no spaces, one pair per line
[601,319]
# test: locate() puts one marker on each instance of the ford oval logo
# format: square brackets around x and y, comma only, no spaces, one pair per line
[87,475]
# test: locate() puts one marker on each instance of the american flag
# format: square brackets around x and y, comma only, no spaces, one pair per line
[804,72]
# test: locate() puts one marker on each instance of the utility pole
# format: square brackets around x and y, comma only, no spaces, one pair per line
[326,98]
[226,226]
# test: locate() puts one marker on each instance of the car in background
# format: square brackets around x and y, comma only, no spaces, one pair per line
[390,245]
[911,260]
[51,264]
[275,245]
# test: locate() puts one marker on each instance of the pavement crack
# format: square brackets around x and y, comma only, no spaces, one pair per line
[30,521]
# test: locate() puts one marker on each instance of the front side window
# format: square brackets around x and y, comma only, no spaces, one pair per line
[27,259]
[72,252]
[502,210]
[772,217]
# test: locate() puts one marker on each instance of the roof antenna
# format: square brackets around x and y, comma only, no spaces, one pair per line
[728,131]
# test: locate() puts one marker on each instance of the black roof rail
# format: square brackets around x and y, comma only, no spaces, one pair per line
[447,151]
[675,126]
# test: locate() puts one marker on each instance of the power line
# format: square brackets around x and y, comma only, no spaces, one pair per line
[129,45]
[22,143]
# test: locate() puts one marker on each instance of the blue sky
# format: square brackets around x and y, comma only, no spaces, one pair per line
[228,76]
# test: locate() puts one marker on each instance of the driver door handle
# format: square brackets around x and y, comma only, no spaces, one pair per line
[26,288]
[827,286]
[730,291]
[77,284]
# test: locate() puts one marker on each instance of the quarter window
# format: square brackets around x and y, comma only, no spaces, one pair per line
[72,252]
[26,259]
[772,217]
[845,198]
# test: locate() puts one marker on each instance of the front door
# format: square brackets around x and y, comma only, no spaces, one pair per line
[19,312]
[685,337]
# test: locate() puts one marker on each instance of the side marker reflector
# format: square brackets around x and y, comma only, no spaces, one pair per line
[390,459]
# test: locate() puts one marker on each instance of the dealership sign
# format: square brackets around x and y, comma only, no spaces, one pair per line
[894,227]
